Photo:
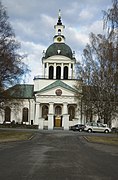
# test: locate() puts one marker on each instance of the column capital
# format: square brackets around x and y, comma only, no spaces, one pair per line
[51,102]
[37,103]
[65,103]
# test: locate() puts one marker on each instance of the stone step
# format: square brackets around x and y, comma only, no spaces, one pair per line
[58,128]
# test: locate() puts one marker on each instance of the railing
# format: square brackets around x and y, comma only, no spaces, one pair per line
[47,77]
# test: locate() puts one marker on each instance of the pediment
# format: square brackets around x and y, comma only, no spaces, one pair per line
[55,86]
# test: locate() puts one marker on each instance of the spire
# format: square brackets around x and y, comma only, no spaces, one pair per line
[59,27]
[59,18]
[59,15]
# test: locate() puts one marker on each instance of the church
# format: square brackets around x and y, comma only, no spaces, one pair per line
[51,102]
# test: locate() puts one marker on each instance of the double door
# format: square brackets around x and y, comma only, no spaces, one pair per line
[58,121]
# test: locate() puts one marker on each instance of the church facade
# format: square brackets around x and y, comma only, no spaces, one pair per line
[51,102]
[56,105]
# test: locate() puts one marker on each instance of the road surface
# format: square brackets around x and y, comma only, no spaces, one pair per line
[58,155]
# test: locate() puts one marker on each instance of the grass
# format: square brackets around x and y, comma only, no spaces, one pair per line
[103,139]
[6,136]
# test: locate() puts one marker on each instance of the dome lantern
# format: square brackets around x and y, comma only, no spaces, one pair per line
[59,27]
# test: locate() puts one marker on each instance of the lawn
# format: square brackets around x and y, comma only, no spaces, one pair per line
[103,139]
[6,136]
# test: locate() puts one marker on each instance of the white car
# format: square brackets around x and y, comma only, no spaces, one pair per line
[96,127]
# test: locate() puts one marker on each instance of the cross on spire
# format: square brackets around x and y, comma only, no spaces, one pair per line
[59,15]
[59,18]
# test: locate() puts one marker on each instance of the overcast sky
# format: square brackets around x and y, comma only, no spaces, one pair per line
[33,22]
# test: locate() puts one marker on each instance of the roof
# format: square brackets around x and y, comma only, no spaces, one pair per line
[20,91]
[56,84]
[54,48]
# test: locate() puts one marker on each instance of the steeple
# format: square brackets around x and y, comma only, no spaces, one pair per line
[59,27]
[59,18]
[58,60]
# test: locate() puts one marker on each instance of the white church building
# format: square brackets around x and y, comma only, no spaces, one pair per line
[50,102]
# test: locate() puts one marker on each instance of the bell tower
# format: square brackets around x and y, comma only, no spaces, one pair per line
[58,60]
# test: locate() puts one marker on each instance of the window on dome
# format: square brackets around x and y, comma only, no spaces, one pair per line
[58,72]
[51,72]
[65,72]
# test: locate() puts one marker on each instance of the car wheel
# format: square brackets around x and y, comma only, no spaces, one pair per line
[80,130]
[106,131]
[89,130]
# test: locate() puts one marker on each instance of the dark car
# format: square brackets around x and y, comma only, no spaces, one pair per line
[114,130]
[78,127]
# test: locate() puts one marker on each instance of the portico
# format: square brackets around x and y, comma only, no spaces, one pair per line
[54,114]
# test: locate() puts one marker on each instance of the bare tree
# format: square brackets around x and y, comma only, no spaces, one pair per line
[110,19]
[12,68]
[99,70]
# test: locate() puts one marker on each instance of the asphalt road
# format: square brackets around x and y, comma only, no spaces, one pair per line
[58,155]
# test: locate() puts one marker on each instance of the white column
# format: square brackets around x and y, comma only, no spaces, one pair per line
[73,71]
[62,71]
[41,123]
[65,108]
[69,74]
[43,69]
[31,110]
[65,118]
[12,114]
[51,108]
[54,70]
[50,121]
[66,121]
[38,114]
[51,116]
[47,72]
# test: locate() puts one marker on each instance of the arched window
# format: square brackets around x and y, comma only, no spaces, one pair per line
[71,112]
[45,112]
[65,72]
[58,72]
[58,110]
[59,31]
[51,72]
[7,114]
[25,115]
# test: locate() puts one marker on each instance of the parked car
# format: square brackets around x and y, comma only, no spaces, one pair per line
[97,127]
[114,129]
[78,127]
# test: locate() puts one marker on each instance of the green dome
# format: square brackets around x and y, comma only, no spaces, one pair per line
[54,48]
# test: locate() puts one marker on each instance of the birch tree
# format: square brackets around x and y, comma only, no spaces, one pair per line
[99,69]
[12,67]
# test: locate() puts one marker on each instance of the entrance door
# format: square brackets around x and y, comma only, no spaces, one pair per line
[58,119]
